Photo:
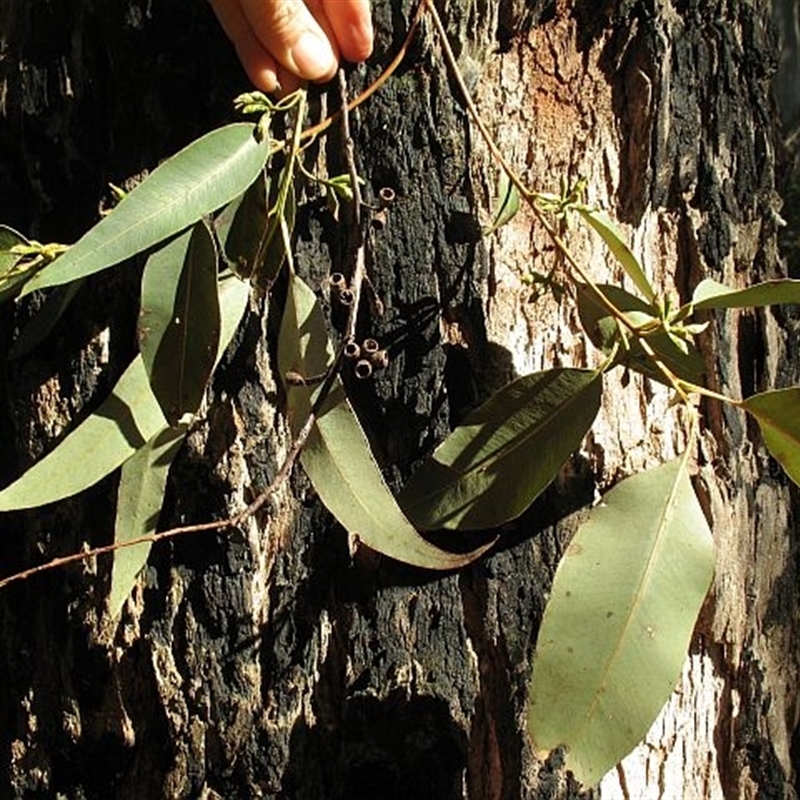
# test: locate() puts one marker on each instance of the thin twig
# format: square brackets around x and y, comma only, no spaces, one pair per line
[531,198]
[315,130]
[357,232]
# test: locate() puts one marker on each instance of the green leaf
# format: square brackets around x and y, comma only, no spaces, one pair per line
[506,204]
[179,321]
[610,234]
[336,456]
[241,226]
[233,296]
[100,444]
[123,424]
[12,272]
[139,499]
[711,294]
[618,624]
[271,252]
[778,416]
[202,177]
[507,451]
[603,330]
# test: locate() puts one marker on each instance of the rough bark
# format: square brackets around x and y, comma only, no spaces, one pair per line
[268,662]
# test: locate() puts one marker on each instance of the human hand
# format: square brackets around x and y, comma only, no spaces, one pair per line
[284,42]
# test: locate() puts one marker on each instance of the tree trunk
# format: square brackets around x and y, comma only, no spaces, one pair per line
[269,662]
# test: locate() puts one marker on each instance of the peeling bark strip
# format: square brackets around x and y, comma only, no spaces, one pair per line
[267,663]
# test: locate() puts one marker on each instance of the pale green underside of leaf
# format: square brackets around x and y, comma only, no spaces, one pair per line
[778,416]
[336,456]
[618,624]
[507,451]
[710,294]
[139,499]
[99,445]
[199,179]
[610,234]
[233,296]
[123,423]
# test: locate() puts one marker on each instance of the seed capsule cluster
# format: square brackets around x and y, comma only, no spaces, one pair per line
[366,357]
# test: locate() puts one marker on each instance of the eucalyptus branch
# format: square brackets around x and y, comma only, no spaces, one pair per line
[532,198]
[302,435]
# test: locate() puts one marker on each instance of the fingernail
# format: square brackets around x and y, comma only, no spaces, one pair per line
[313,56]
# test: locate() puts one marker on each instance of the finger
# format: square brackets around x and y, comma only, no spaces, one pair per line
[260,66]
[287,81]
[351,23]
[288,31]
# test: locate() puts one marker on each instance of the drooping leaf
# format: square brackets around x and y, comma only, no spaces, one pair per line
[45,319]
[100,444]
[506,204]
[241,226]
[179,321]
[618,624]
[610,234]
[233,297]
[711,294]
[778,416]
[271,253]
[12,271]
[506,452]
[603,330]
[199,179]
[139,499]
[122,424]
[336,456]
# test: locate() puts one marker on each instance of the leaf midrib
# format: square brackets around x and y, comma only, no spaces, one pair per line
[642,584]
[177,198]
[423,548]
[506,451]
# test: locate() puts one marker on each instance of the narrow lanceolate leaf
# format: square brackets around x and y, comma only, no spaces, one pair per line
[179,321]
[201,178]
[494,465]
[711,294]
[271,253]
[241,227]
[144,476]
[778,416]
[12,271]
[139,499]
[98,446]
[604,332]
[610,234]
[233,296]
[506,204]
[123,424]
[336,456]
[616,630]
